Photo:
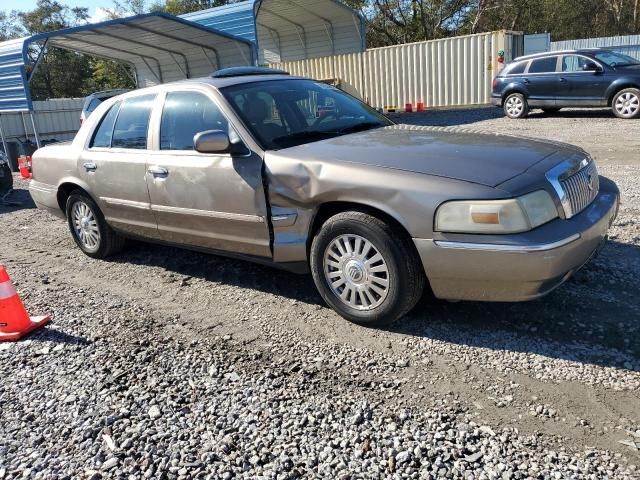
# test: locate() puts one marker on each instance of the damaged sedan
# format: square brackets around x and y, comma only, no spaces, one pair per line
[295,173]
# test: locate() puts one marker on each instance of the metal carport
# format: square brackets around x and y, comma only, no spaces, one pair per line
[286,30]
[160,48]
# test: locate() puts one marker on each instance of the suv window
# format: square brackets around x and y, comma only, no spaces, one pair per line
[543,65]
[133,122]
[574,63]
[517,69]
[184,114]
[104,132]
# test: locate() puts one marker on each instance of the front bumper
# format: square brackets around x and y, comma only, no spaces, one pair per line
[518,267]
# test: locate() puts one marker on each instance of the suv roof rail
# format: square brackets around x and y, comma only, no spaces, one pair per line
[245,71]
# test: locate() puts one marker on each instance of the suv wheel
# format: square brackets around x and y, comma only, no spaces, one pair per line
[516,106]
[626,103]
[89,228]
[364,270]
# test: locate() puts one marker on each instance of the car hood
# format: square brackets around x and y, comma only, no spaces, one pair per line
[482,158]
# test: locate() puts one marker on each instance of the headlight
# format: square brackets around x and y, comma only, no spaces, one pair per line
[496,216]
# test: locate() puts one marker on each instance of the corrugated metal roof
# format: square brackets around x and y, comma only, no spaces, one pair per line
[14,92]
[286,30]
[160,47]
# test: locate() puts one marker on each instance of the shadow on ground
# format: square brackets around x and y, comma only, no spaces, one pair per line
[572,323]
[15,200]
[465,116]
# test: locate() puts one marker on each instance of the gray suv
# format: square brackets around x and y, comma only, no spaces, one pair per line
[297,174]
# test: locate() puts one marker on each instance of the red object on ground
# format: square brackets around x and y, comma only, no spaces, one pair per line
[15,323]
[24,164]
[408,107]
[420,107]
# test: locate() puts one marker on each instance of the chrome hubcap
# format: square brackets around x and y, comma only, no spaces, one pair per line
[86,226]
[515,106]
[627,104]
[356,272]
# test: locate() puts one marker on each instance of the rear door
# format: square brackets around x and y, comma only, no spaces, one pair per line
[114,164]
[542,82]
[214,201]
[585,86]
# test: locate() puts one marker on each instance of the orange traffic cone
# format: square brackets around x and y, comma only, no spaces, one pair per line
[14,321]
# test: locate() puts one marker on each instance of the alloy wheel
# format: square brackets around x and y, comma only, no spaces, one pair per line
[627,104]
[515,106]
[356,272]
[86,226]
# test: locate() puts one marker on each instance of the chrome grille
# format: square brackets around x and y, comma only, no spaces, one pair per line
[581,188]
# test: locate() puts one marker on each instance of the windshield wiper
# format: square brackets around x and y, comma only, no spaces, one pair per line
[310,134]
[359,127]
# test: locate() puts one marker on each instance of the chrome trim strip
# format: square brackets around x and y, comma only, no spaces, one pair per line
[125,203]
[208,213]
[38,188]
[489,247]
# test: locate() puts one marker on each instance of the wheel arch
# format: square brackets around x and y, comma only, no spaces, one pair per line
[329,209]
[66,187]
[617,87]
[514,88]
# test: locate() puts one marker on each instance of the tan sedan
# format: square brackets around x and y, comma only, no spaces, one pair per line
[295,173]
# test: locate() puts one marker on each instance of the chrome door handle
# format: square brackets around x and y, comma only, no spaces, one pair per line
[563,79]
[526,80]
[90,166]
[158,172]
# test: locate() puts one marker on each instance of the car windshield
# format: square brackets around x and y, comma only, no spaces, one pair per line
[286,113]
[616,59]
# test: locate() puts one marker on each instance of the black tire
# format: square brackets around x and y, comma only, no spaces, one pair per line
[404,274]
[516,106]
[551,110]
[626,103]
[107,242]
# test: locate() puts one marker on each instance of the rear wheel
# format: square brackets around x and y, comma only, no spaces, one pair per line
[516,106]
[89,229]
[626,103]
[364,270]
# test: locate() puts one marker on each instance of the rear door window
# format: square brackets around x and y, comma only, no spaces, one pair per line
[133,123]
[543,65]
[184,114]
[104,132]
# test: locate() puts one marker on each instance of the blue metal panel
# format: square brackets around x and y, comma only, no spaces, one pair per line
[629,45]
[236,19]
[14,88]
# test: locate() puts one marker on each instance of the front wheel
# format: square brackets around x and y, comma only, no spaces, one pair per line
[516,106]
[626,103]
[364,270]
[88,227]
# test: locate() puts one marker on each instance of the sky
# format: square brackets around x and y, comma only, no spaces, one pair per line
[96,7]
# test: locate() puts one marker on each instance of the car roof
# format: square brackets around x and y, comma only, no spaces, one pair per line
[216,82]
[583,51]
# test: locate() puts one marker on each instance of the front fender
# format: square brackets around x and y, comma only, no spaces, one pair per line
[620,84]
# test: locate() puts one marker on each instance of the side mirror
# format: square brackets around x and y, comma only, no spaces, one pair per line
[211,141]
[591,67]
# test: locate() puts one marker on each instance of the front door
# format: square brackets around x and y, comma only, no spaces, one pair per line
[584,85]
[213,201]
[114,165]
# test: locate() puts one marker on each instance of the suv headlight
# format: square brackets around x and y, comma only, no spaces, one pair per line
[496,216]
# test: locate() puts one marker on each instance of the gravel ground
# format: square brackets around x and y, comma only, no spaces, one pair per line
[164,363]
